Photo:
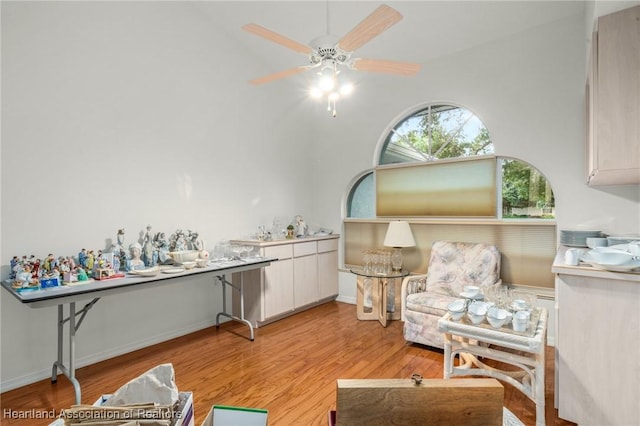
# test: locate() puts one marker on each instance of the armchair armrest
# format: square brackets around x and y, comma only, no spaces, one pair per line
[410,285]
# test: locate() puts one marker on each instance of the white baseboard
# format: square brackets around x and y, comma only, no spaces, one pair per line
[346,299]
[36,376]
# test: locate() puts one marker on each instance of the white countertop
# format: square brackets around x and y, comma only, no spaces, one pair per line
[261,243]
[586,270]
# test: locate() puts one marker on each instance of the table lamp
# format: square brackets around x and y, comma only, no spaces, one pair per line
[398,235]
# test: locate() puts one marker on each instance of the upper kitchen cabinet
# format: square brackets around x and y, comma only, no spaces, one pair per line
[613,95]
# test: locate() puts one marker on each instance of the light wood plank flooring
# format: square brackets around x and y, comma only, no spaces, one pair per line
[290,369]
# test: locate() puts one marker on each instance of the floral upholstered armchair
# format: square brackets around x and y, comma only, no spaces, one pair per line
[452,266]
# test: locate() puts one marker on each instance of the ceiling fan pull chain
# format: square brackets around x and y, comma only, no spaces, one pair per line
[328,18]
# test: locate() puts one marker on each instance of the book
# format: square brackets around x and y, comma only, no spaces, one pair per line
[224,415]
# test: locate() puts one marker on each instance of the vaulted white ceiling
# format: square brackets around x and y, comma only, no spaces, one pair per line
[429,29]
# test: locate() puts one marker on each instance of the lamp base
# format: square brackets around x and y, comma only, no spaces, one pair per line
[396,259]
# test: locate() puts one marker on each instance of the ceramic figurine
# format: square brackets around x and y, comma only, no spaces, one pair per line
[116,263]
[119,250]
[82,257]
[55,272]
[24,276]
[148,249]
[196,242]
[135,261]
[49,263]
[301,227]
[90,260]
[120,238]
[64,265]
[15,263]
[161,246]
[178,241]
[35,268]
[81,274]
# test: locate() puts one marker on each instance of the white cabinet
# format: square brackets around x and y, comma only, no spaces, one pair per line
[597,345]
[277,285]
[613,100]
[327,268]
[305,275]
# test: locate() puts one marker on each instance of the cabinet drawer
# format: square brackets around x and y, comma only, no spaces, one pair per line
[281,252]
[304,249]
[327,245]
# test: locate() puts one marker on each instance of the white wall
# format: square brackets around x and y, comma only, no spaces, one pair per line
[120,115]
[127,114]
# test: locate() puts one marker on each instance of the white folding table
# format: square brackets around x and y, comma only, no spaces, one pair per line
[95,289]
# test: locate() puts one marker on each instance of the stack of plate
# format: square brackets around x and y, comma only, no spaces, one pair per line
[622,239]
[578,238]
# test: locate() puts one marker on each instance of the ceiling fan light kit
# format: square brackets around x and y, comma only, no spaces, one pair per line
[330,54]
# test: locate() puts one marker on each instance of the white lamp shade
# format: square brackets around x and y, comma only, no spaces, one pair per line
[399,235]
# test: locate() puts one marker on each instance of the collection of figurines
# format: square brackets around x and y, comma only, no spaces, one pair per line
[296,229]
[150,250]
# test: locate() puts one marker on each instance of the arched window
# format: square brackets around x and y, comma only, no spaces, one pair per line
[438,132]
[438,163]
[362,198]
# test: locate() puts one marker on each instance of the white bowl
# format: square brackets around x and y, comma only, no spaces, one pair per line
[149,272]
[202,262]
[610,256]
[497,317]
[478,308]
[622,239]
[476,311]
[475,318]
[456,309]
[593,242]
[184,255]
[188,265]
[456,316]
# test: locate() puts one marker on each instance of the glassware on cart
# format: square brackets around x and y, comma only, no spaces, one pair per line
[367,261]
[237,250]
[520,321]
[248,250]
[221,250]
[375,261]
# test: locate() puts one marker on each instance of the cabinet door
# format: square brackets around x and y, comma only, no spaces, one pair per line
[305,273]
[278,288]
[327,274]
[616,145]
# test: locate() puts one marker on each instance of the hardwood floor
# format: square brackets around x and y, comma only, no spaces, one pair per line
[290,369]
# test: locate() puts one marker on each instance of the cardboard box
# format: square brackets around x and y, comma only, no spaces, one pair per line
[224,415]
[182,417]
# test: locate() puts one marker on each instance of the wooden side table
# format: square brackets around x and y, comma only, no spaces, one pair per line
[385,293]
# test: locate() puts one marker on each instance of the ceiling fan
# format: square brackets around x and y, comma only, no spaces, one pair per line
[330,52]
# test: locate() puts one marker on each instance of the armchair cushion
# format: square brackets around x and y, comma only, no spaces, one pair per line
[429,303]
[455,264]
[452,266]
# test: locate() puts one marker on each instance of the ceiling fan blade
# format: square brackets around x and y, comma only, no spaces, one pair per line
[384,66]
[373,25]
[279,75]
[277,38]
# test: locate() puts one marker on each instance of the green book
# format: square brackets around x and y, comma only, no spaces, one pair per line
[224,415]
